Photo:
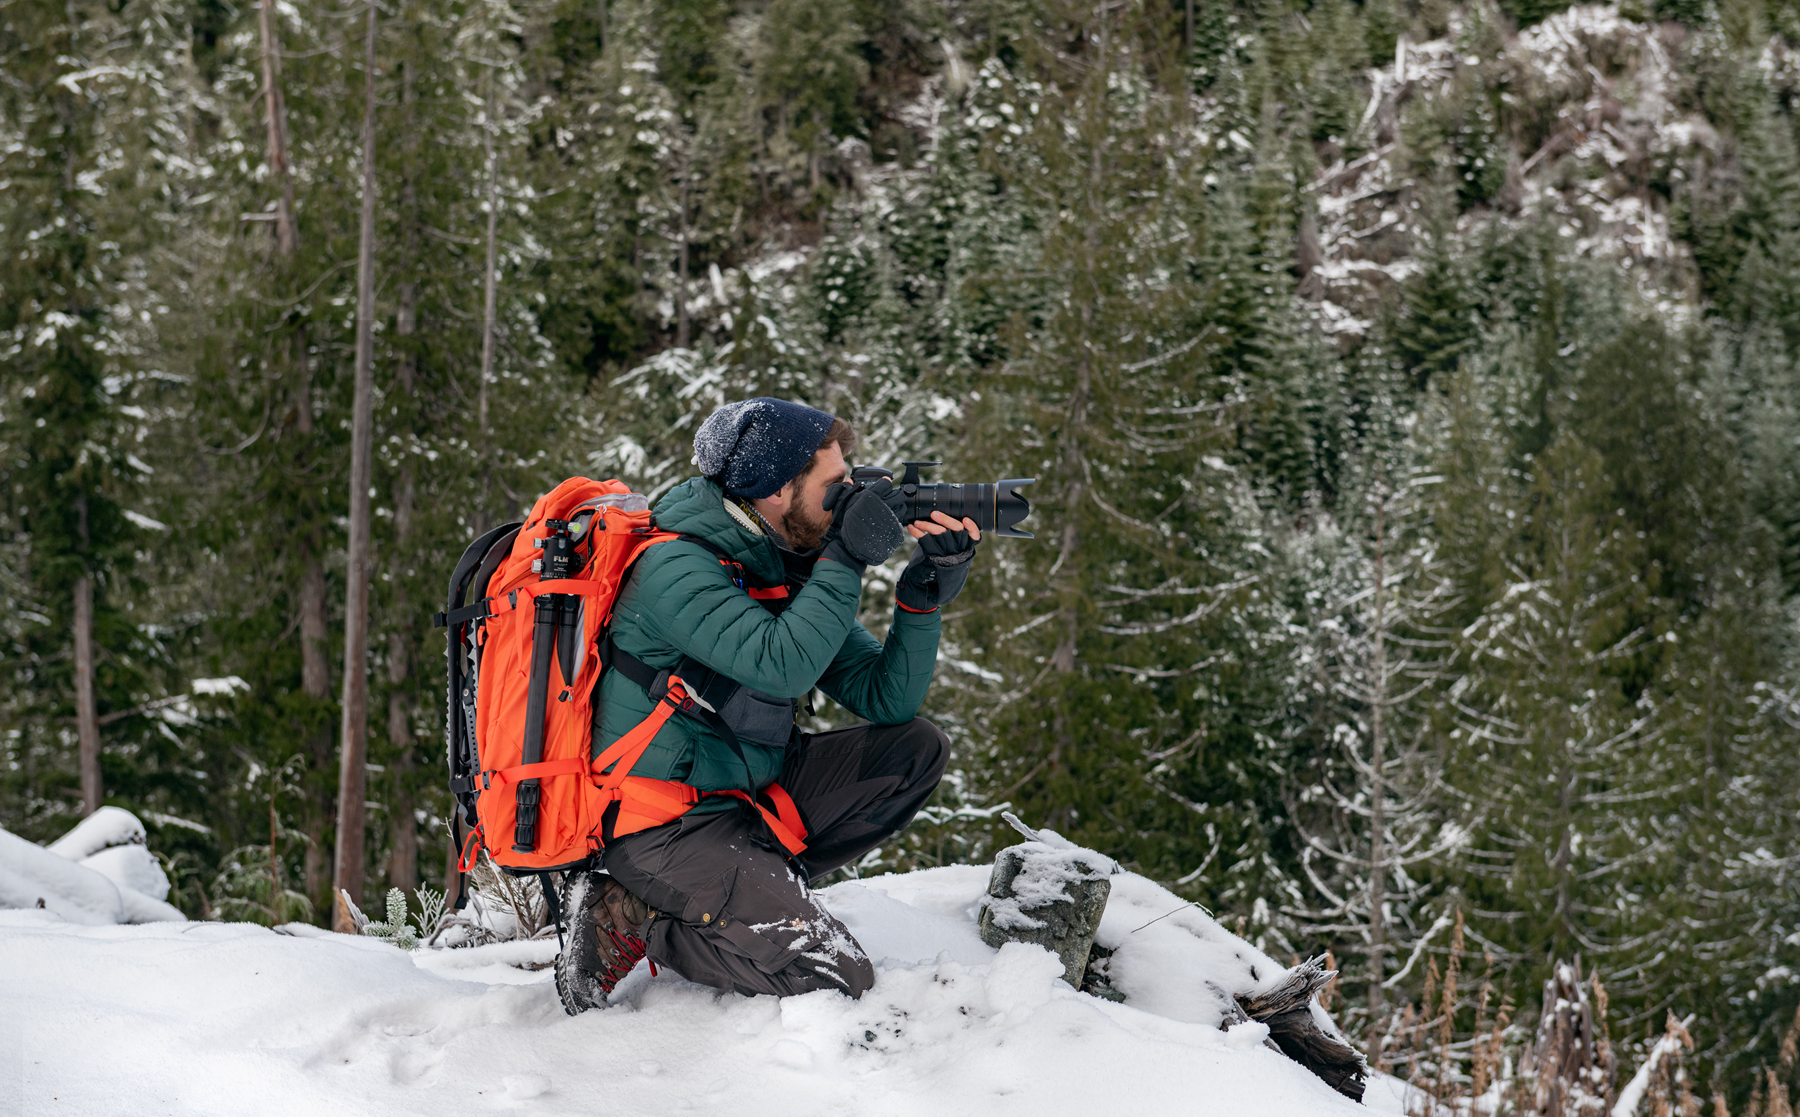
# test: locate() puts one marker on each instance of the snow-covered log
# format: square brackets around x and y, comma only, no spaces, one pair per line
[33,877]
[106,828]
[98,873]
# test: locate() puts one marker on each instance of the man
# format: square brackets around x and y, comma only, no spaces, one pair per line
[763,589]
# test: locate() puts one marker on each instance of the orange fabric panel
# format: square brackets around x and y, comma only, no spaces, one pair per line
[569,804]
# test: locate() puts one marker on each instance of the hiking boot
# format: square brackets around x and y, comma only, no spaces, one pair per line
[606,941]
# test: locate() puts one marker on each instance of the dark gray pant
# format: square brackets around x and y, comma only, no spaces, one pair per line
[732,912]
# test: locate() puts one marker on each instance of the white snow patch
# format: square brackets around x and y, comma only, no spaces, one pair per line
[198,1018]
[226,686]
[104,829]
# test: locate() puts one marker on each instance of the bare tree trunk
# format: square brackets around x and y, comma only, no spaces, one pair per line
[493,216]
[403,866]
[315,683]
[681,265]
[315,656]
[403,835]
[315,663]
[1187,33]
[87,711]
[354,734]
[452,878]
[287,234]
[1378,792]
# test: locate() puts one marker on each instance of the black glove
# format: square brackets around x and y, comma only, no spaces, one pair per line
[936,572]
[864,528]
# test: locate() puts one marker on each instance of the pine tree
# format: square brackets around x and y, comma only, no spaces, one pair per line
[1373,807]
[1117,717]
[97,163]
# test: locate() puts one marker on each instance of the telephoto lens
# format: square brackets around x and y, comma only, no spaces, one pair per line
[997,507]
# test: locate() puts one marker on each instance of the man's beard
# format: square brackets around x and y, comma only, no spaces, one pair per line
[801,533]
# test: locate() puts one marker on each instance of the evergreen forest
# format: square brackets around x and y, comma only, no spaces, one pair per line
[1412,390]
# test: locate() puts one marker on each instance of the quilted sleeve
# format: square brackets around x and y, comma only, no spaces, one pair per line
[886,682]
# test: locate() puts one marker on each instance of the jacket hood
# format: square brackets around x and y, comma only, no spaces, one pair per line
[697,507]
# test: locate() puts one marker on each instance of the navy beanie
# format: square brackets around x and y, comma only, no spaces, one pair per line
[755,446]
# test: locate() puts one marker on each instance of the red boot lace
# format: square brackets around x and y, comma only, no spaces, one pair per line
[631,951]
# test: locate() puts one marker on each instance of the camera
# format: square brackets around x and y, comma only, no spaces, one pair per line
[997,507]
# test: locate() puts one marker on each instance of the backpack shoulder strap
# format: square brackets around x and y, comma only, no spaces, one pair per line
[709,689]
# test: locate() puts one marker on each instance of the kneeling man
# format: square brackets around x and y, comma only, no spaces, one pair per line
[762,588]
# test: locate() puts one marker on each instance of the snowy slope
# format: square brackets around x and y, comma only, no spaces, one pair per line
[205,1018]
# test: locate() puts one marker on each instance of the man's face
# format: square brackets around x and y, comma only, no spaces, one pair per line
[804,521]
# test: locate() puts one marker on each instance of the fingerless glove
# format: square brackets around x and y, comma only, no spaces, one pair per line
[936,572]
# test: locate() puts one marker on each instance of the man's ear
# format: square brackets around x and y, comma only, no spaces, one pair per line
[781,497]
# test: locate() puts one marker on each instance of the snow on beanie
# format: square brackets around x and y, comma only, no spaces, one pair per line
[755,446]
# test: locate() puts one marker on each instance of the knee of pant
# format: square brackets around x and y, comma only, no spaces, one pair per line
[933,748]
[858,974]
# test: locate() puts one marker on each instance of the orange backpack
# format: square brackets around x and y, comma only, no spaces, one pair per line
[528,611]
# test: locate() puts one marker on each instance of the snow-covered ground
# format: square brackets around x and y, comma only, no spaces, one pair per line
[200,1018]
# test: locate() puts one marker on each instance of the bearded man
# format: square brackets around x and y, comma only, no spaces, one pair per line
[763,588]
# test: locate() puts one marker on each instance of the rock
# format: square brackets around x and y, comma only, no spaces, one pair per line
[1097,981]
[1051,892]
[1302,1031]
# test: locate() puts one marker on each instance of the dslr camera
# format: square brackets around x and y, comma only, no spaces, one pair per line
[997,507]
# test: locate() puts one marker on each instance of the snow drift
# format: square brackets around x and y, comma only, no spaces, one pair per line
[205,1018]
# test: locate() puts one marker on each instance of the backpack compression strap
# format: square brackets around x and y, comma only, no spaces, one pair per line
[669,798]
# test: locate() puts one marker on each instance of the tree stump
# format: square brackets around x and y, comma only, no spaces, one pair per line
[1287,1010]
[1571,1064]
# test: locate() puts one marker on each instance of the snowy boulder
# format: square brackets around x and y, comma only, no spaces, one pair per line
[1051,892]
[111,841]
[131,867]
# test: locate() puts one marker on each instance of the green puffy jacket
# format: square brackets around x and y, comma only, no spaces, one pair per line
[680,600]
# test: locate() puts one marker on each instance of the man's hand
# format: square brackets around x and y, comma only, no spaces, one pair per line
[863,528]
[940,563]
[941,523]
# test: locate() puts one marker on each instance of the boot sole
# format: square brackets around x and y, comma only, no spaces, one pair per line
[573,988]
